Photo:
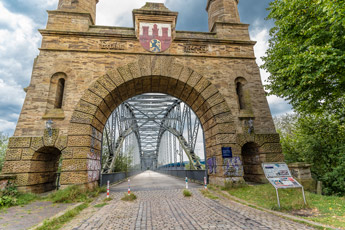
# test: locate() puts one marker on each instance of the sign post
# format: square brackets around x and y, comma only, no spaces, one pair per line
[279,175]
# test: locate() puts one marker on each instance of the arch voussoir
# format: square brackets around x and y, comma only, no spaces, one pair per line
[166,65]
[125,73]
[145,65]
[134,69]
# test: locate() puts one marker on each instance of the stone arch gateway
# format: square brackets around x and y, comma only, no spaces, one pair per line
[104,66]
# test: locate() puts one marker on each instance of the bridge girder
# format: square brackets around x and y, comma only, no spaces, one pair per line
[148,117]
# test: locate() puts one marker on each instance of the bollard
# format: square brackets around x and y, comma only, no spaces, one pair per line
[108,189]
[186,182]
[319,188]
[205,182]
[129,187]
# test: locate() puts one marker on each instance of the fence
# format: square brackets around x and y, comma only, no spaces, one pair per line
[197,175]
[116,177]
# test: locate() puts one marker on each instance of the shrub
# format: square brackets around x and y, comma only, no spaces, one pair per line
[187,193]
[318,140]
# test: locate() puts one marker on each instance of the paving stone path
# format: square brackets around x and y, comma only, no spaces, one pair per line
[17,218]
[161,205]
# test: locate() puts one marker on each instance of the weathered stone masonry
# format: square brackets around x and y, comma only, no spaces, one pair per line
[214,72]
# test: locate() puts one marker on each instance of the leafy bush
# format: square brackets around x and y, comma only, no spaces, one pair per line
[11,197]
[8,196]
[320,141]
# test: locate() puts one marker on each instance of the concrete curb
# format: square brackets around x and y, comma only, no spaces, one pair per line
[280,214]
[56,216]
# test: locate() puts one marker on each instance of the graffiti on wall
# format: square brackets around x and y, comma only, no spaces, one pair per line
[233,167]
[212,165]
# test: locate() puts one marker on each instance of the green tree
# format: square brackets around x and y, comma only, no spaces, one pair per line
[3,148]
[306,54]
[319,140]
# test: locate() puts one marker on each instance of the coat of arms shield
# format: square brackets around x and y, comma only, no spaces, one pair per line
[155,37]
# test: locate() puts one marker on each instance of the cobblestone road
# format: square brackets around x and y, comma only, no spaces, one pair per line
[161,205]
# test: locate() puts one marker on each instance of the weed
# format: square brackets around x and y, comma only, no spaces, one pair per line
[208,194]
[107,199]
[74,194]
[130,197]
[187,193]
[100,205]
[11,197]
[57,223]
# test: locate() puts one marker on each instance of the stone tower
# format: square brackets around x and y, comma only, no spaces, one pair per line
[84,71]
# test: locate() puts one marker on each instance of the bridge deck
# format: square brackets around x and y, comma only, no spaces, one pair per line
[153,181]
[161,205]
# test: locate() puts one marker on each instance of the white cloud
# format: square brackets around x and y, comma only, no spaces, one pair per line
[261,36]
[7,127]
[18,46]
[13,95]
[109,13]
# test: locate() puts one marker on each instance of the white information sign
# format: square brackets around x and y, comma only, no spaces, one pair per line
[278,174]
[276,170]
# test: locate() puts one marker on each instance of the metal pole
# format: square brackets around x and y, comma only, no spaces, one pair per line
[278,197]
[305,202]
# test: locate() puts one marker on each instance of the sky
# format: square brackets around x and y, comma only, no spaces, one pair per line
[20,40]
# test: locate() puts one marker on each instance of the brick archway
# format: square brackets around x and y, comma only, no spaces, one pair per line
[149,74]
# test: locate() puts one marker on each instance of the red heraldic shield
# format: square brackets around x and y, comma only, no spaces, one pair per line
[155,37]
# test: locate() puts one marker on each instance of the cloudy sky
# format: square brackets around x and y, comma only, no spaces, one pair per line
[20,40]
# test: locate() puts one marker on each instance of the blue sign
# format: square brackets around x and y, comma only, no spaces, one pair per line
[226,152]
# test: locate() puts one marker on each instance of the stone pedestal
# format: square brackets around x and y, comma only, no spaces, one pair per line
[301,172]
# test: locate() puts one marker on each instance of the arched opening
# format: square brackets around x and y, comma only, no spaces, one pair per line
[251,162]
[46,163]
[56,91]
[152,131]
[242,95]
[59,93]
[146,75]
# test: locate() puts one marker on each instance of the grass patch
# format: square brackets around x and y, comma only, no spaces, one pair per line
[74,194]
[329,210]
[208,194]
[100,205]
[107,199]
[18,199]
[60,221]
[130,197]
[187,193]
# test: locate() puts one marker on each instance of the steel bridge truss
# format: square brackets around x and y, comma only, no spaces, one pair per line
[150,118]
